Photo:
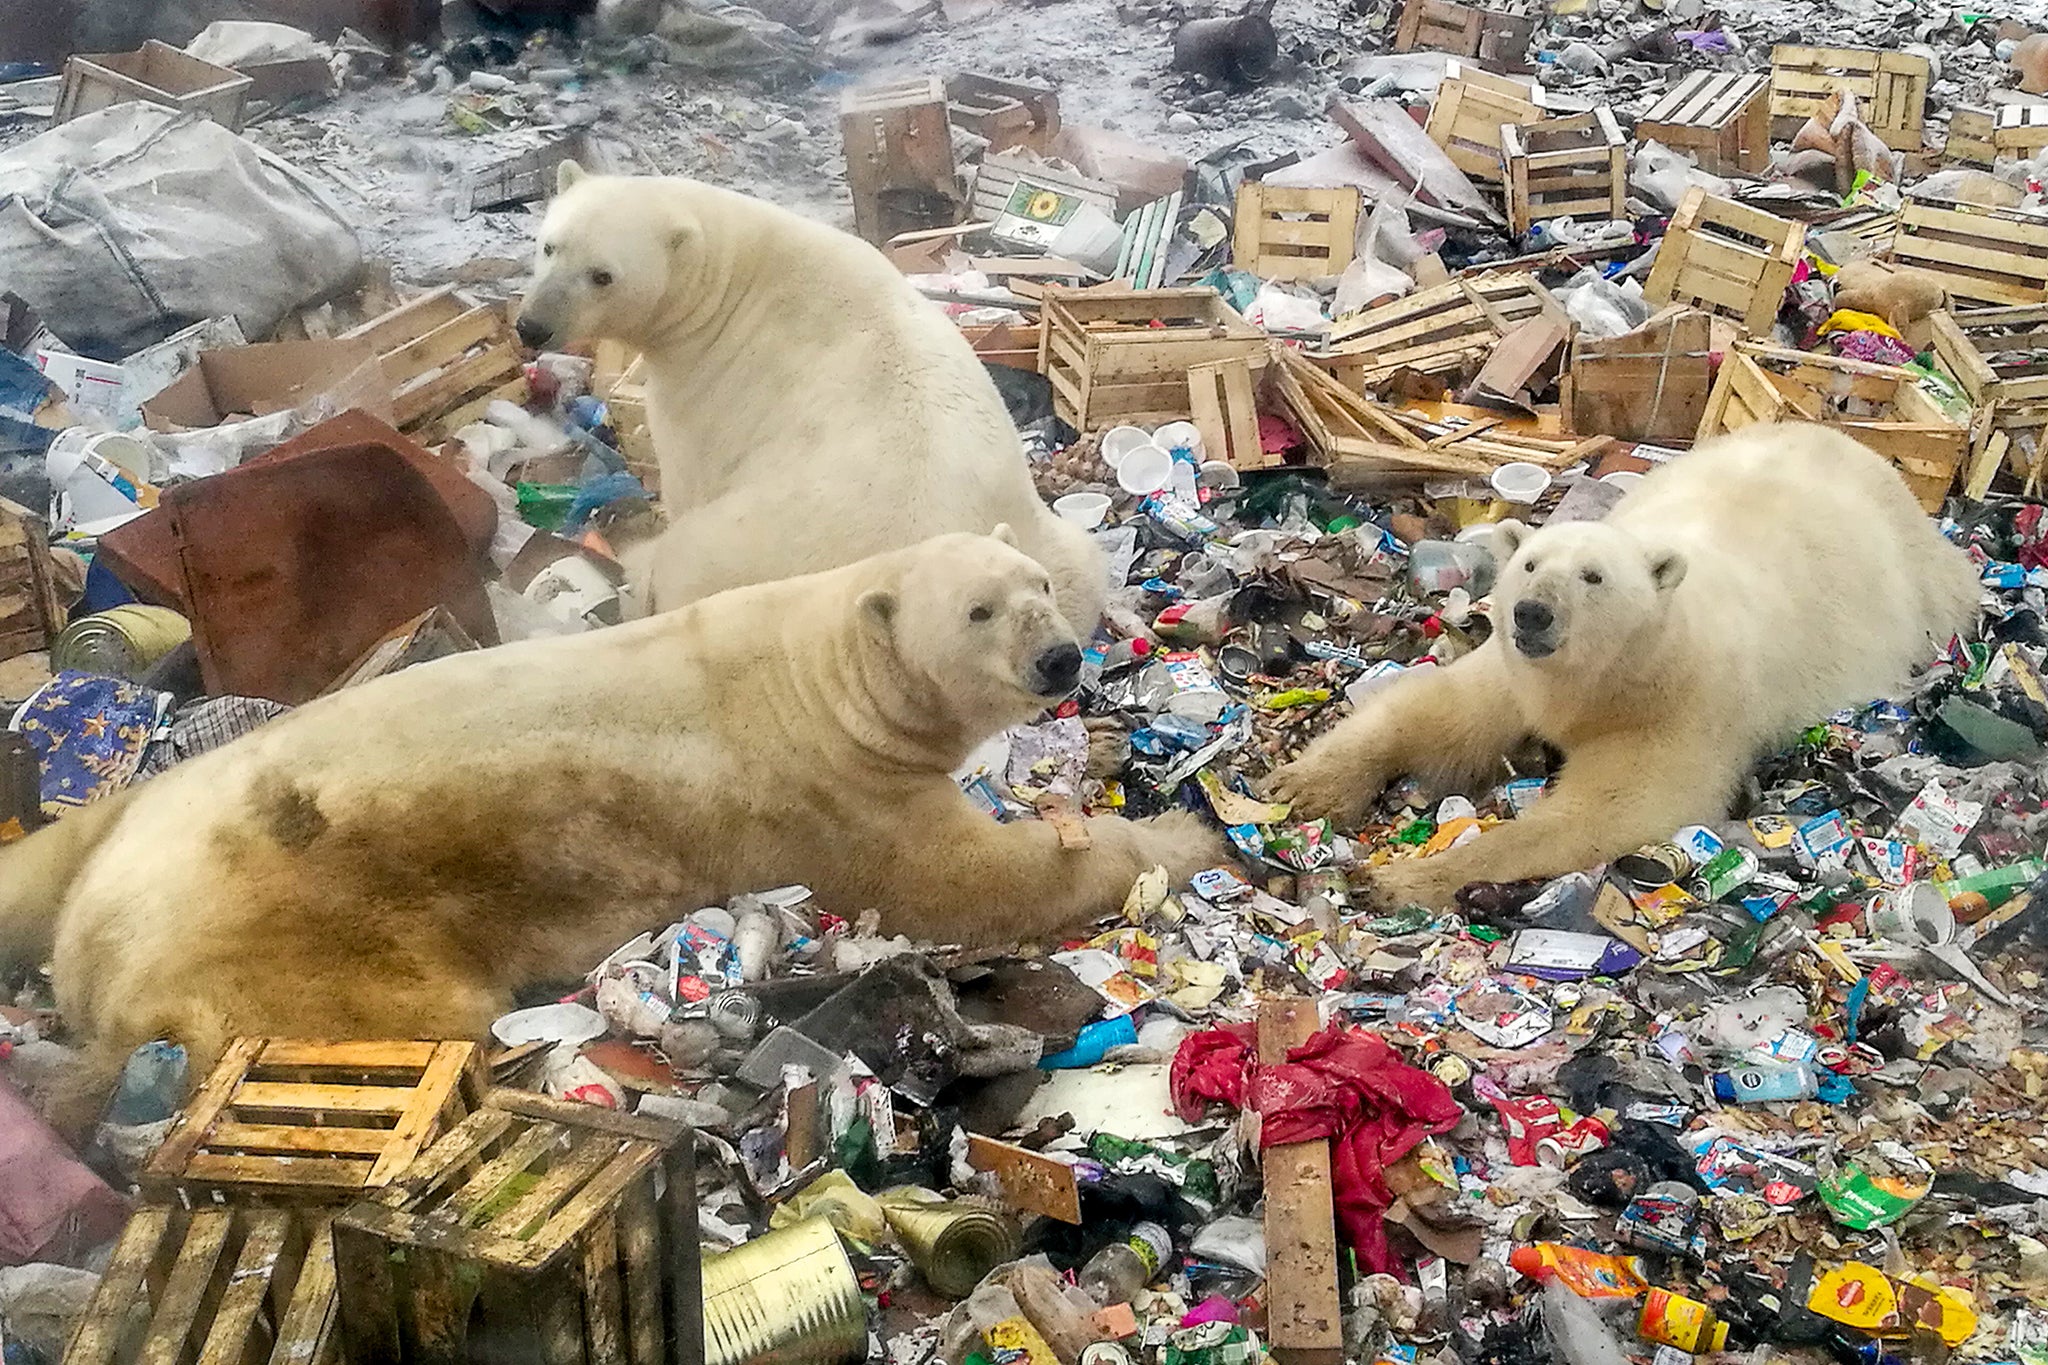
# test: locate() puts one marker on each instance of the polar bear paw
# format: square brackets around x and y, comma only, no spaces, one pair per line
[1181,842]
[1414,881]
[1319,788]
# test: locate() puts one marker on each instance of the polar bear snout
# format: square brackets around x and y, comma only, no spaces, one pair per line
[533,333]
[1536,635]
[1058,670]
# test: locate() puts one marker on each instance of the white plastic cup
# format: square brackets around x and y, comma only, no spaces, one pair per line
[1145,470]
[1520,482]
[1085,510]
[1624,479]
[1176,436]
[1219,475]
[1118,442]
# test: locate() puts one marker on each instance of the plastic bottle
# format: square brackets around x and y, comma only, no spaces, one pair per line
[1092,1043]
[1578,1334]
[1118,1271]
[152,1085]
[1001,1321]
[1589,1274]
[1763,1082]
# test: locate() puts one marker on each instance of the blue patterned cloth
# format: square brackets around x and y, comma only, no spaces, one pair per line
[89,733]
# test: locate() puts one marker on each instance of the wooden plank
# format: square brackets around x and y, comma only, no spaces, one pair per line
[104,1323]
[1302,1309]
[207,1168]
[351,1056]
[441,345]
[628,1160]
[536,1141]
[1033,1181]
[427,399]
[306,1330]
[232,1339]
[604,1317]
[339,1099]
[640,1257]
[538,1205]
[442,1075]
[204,1107]
[229,1135]
[172,1325]
[408,320]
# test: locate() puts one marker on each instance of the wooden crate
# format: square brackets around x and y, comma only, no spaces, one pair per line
[1882,406]
[1989,255]
[553,1231]
[288,1120]
[623,386]
[1647,385]
[31,614]
[1995,355]
[1726,258]
[1493,38]
[1009,114]
[1721,119]
[1890,89]
[1576,167]
[157,73]
[2021,131]
[1970,133]
[1117,356]
[1223,397]
[218,1287]
[899,158]
[1289,234]
[1442,332]
[1466,119]
[446,359]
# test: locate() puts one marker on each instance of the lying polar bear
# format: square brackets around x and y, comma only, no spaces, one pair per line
[1737,595]
[808,406]
[397,859]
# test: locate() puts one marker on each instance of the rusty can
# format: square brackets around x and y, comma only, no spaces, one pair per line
[1654,865]
[790,1298]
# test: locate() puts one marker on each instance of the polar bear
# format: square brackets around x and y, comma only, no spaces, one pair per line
[808,406]
[1737,595]
[398,859]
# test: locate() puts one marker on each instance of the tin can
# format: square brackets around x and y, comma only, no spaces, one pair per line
[1654,865]
[952,1243]
[1675,1320]
[1724,873]
[790,1297]
[123,642]
[735,1014]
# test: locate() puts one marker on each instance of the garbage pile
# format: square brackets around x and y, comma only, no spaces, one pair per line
[1773,1086]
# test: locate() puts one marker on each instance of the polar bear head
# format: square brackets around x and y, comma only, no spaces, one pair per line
[972,620]
[612,256]
[1577,595]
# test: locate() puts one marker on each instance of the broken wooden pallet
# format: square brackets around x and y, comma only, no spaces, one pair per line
[1721,119]
[1466,118]
[1223,396]
[559,1231]
[1444,331]
[1566,167]
[31,614]
[1882,406]
[1995,356]
[1009,114]
[223,1287]
[447,360]
[1890,89]
[1493,38]
[1290,234]
[1726,258]
[287,1120]
[1990,255]
[1970,133]
[1122,355]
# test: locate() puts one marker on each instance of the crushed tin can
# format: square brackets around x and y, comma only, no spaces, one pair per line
[790,1296]
[1725,873]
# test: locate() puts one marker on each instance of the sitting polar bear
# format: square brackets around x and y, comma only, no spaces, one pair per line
[396,860]
[1737,595]
[808,406]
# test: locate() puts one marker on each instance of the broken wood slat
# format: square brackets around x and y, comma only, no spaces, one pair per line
[1289,234]
[1493,38]
[1651,384]
[1109,363]
[1575,166]
[312,1121]
[1882,406]
[1225,407]
[31,615]
[1993,354]
[1991,255]
[1890,89]
[1721,119]
[1466,119]
[223,1287]
[413,318]
[1970,133]
[1302,1308]
[1724,257]
[1009,114]
[1443,331]
[605,1214]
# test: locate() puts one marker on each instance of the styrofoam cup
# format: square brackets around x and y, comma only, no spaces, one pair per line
[1145,470]
[1118,442]
[1181,436]
[1624,479]
[1085,510]
[1521,482]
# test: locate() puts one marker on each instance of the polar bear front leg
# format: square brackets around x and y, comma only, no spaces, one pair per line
[1615,795]
[1453,720]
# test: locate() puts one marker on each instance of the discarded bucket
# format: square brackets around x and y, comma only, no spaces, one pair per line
[1239,50]
[789,1298]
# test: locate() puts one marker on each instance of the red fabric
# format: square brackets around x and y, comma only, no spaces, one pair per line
[1345,1085]
[52,1207]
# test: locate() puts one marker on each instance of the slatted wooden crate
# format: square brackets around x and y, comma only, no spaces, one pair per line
[1882,406]
[1466,119]
[1727,258]
[1575,166]
[1223,397]
[899,157]
[2021,131]
[1970,133]
[1721,119]
[446,360]
[1441,332]
[294,1121]
[1996,356]
[1494,38]
[1987,255]
[537,1229]
[31,615]
[1008,113]
[1290,234]
[215,1287]
[1651,384]
[1116,356]
[156,73]
[1890,89]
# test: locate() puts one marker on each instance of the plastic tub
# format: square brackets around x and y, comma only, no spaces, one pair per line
[1085,510]
[1145,470]
[1118,442]
[1520,482]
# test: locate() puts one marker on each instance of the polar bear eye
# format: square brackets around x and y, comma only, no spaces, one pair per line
[981,614]
[601,278]
[1591,576]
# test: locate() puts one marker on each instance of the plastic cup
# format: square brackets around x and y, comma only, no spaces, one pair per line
[1175,436]
[1145,470]
[1520,482]
[1118,442]
[1219,475]
[1624,479]
[1085,510]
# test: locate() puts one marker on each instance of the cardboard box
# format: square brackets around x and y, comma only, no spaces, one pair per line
[255,381]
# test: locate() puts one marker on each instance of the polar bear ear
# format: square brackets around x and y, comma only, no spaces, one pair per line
[1507,538]
[567,174]
[1667,569]
[877,608]
[1005,534]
